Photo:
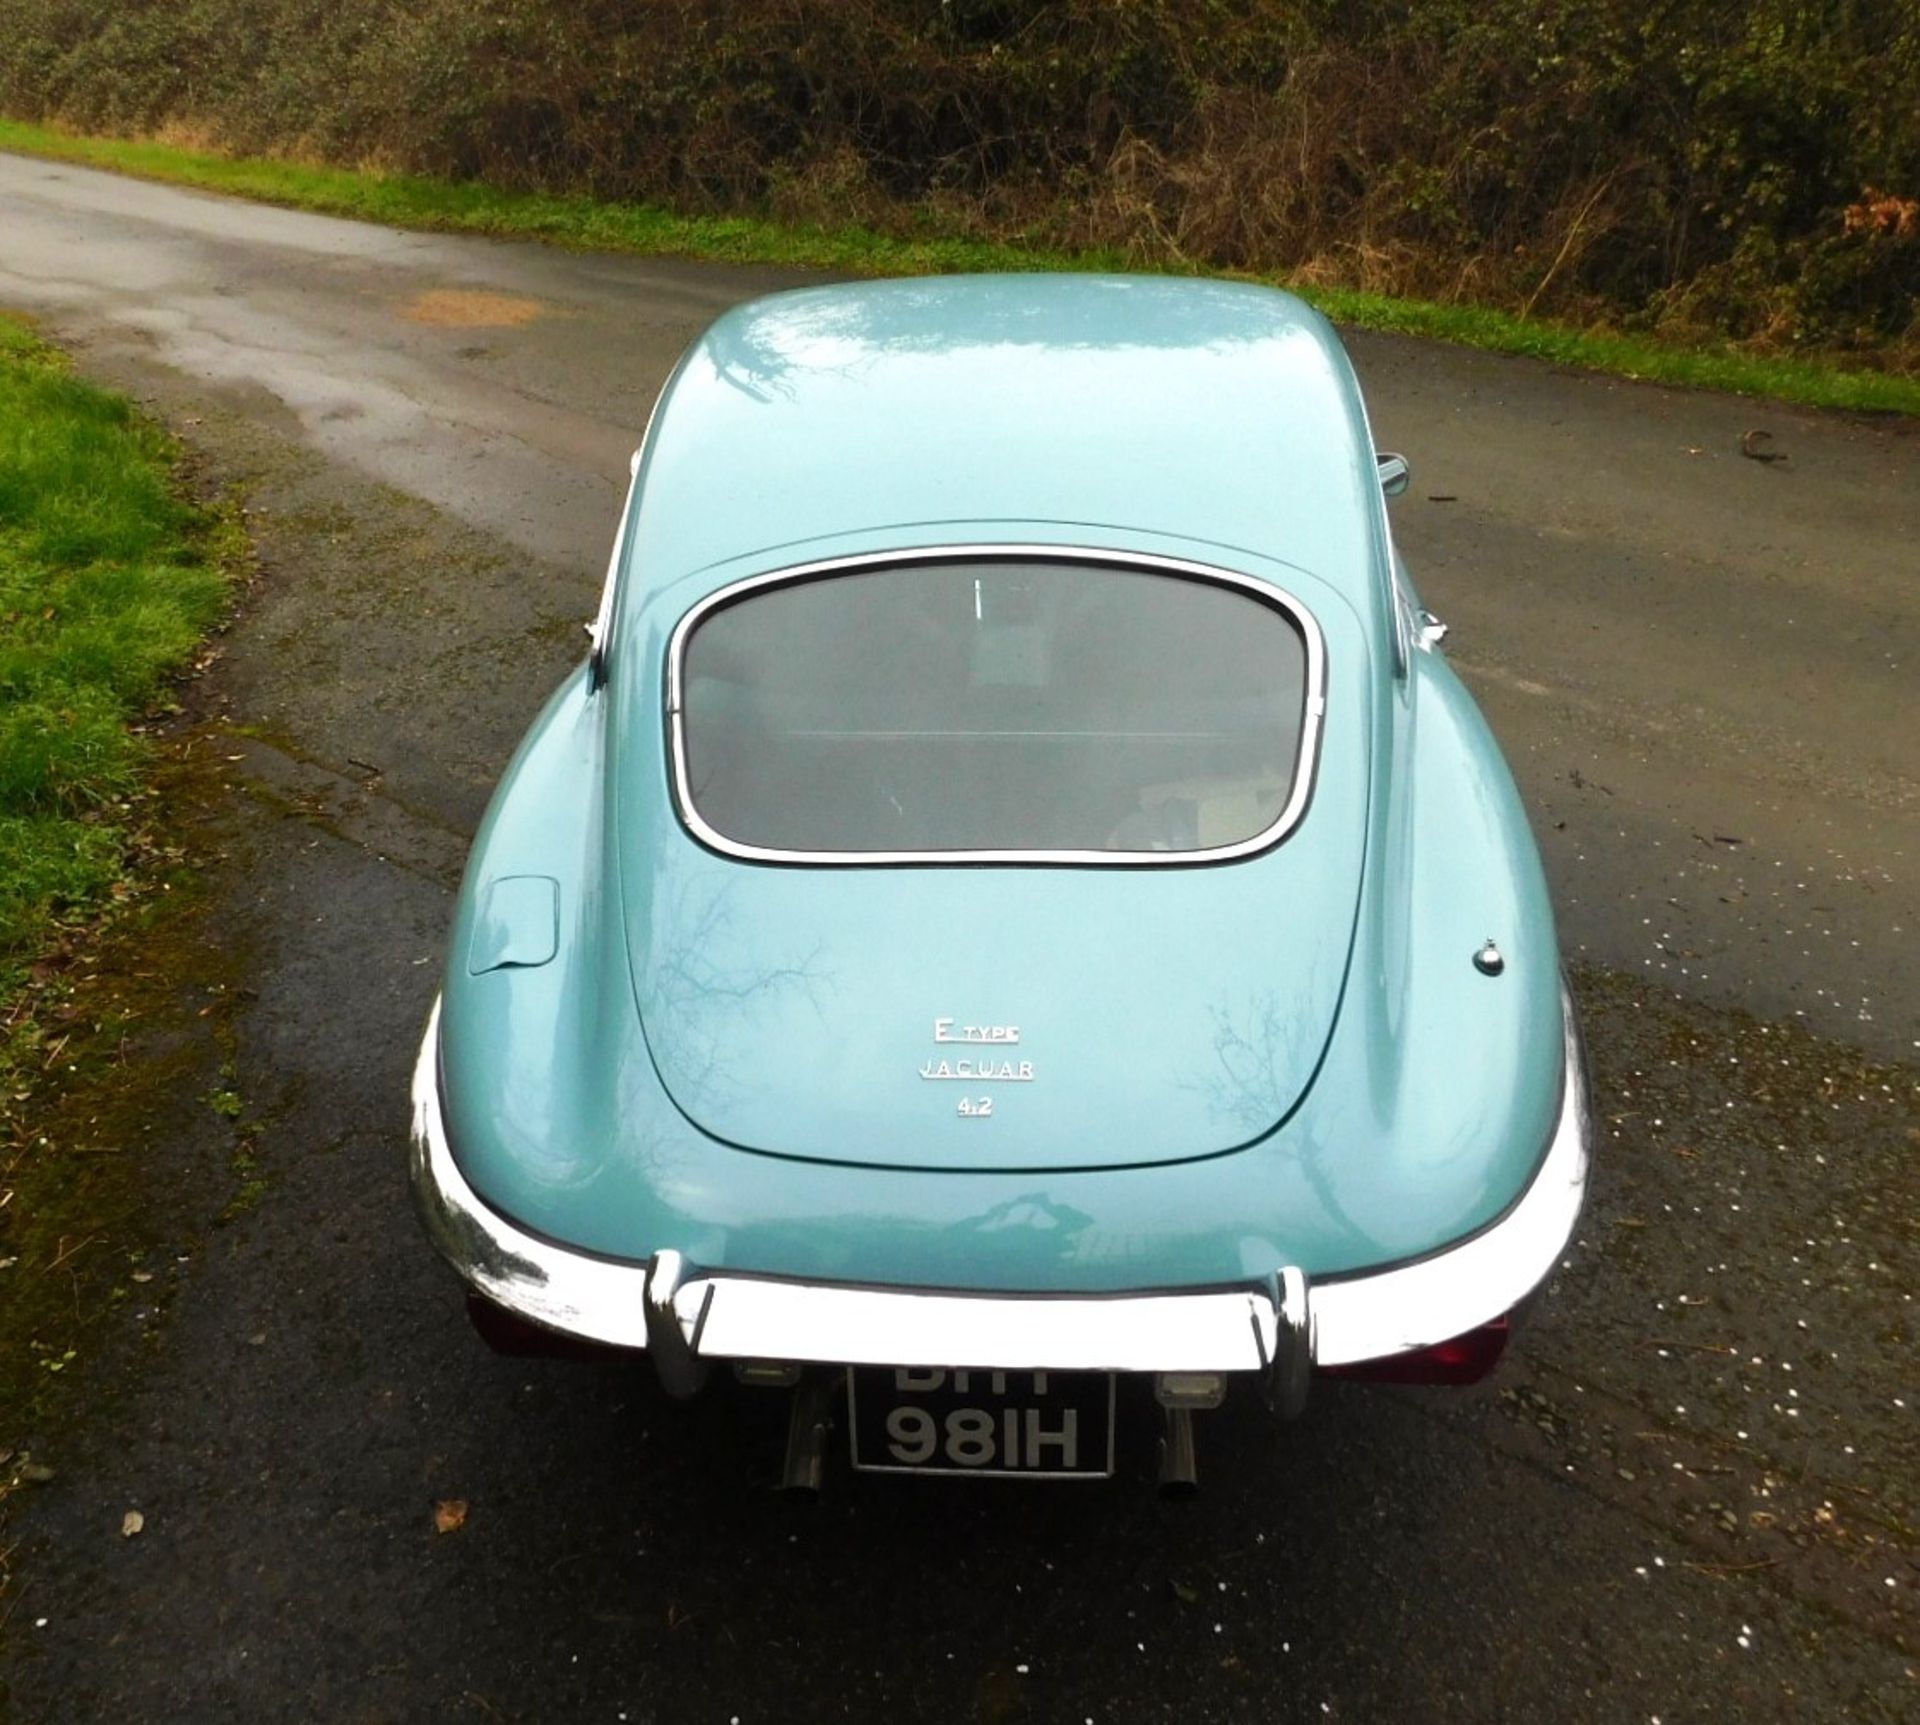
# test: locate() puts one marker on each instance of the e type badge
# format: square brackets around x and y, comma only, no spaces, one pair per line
[984,1067]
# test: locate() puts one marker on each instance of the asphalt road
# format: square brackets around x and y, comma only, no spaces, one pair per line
[1690,1495]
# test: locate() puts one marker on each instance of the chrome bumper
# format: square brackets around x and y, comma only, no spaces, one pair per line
[686,1317]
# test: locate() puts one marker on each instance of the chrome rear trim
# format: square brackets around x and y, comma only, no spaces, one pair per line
[1386,1312]
[688,1317]
[1226,1331]
[592,1298]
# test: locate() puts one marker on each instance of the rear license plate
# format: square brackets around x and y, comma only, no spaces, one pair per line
[1032,1424]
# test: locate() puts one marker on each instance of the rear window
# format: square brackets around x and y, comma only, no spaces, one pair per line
[1013,708]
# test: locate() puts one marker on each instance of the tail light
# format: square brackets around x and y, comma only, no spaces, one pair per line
[1461,1360]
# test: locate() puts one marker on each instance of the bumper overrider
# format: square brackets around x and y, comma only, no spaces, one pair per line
[1278,1330]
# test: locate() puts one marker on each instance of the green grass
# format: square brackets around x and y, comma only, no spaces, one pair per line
[107,582]
[408,201]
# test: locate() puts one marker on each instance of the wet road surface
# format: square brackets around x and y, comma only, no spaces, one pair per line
[1689,1496]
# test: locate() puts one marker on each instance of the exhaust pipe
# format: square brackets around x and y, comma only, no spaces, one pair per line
[1178,1477]
[808,1425]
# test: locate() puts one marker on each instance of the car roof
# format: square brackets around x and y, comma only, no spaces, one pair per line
[1194,410]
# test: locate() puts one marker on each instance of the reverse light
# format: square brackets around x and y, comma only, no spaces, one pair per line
[1190,1389]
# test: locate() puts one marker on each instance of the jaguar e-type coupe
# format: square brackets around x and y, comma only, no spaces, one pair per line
[1015,916]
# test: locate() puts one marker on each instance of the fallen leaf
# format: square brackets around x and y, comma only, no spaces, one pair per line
[131,1523]
[450,1515]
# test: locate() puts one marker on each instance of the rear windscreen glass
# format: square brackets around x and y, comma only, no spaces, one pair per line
[993,706]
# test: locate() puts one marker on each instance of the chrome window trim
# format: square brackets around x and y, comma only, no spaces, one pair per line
[1306,760]
[600,630]
[687,1317]
[1383,549]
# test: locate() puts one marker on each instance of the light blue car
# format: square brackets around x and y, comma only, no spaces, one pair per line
[1014,905]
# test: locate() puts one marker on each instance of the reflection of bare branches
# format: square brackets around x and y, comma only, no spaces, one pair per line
[733,378]
[756,355]
[708,1000]
[1248,1087]
[1253,1085]
[836,330]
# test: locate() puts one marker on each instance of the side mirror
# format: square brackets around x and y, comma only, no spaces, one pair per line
[1431,630]
[1396,472]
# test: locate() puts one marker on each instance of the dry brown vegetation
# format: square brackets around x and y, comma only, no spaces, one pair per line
[1739,168]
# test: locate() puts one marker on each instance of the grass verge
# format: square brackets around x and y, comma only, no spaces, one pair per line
[585,223]
[108,580]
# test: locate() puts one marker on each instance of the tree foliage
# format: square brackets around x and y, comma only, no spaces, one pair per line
[1743,167]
